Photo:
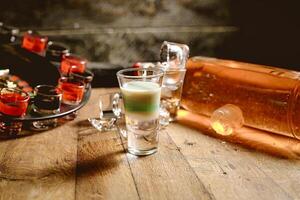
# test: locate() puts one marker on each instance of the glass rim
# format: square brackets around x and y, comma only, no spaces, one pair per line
[50,86]
[36,35]
[56,51]
[160,72]
[26,97]
[73,56]
[85,73]
[68,78]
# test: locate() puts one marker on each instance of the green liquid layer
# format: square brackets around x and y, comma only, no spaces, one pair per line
[141,97]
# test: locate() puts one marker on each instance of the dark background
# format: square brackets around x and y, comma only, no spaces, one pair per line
[123,32]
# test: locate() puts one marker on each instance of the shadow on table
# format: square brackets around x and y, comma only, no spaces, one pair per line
[40,158]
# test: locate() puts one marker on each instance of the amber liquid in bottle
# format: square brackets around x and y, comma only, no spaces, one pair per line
[267,96]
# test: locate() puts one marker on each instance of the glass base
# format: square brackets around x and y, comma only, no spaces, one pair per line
[173,115]
[104,124]
[172,119]
[10,128]
[70,102]
[142,152]
[71,116]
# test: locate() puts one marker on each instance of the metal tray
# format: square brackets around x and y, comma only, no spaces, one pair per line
[36,70]
[64,110]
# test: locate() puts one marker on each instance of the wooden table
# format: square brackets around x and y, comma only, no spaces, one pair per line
[75,161]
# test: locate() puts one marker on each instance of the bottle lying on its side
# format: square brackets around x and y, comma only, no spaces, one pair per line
[267,96]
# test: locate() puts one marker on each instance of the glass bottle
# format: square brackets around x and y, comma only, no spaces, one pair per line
[267,96]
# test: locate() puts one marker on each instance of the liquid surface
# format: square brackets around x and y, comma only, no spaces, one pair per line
[13,104]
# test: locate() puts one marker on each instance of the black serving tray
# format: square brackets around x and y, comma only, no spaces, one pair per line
[64,110]
[28,66]
[36,70]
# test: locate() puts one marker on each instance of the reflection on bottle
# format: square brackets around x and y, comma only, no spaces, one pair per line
[226,119]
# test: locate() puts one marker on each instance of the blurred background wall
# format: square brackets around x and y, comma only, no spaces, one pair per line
[124,32]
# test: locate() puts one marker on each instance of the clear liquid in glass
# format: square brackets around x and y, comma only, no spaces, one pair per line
[142,135]
[171,91]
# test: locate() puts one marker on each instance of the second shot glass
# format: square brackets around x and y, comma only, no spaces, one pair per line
[74,63]
[87,77]
[72,89]
[47,101]
[13,103]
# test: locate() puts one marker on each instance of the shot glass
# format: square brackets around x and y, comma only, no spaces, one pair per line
[108,114]
[87,77]
[13,103]
[72,89]
[34,42]
[47,101]
[74,63]
[55,52]
[171,91]
[173,57]
[141,89]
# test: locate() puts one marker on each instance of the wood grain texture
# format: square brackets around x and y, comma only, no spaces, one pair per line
[232,172]
[40,166]
[75,161]
[166,174]
[102,168]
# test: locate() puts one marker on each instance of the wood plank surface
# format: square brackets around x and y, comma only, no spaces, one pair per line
[166,174]
[40,166]
[75,161]
[102,167]
[103,170]
[232,172]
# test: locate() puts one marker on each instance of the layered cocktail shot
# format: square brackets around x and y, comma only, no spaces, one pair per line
[141,89]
